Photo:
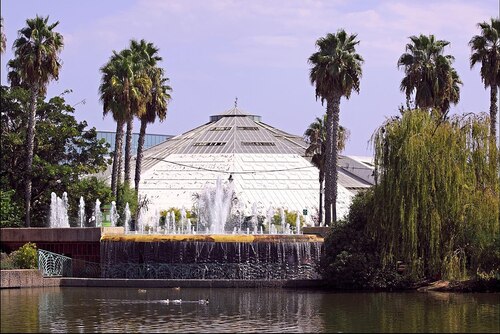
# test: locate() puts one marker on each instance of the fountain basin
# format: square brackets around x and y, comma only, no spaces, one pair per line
[211,256]
[240,238]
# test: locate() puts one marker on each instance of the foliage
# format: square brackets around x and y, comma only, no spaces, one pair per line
[36,62]
[126,195]
[10,212]
[147,54]
[64,150]
[25,257]
[350,259]
[335,72]
[190,214]
[315,136]
[429,74]
[436,199]
[290,218]
[6,262]
[91,189]
[486,51]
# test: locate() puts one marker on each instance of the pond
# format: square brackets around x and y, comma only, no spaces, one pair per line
[85,310]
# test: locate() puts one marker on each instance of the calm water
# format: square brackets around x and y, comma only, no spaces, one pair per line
[244,310]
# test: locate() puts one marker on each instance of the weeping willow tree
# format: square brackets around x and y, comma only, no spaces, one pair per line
[436,197]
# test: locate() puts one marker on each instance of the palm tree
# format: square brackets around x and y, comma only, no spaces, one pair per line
[123,89]
[486,50]
[111,90]
[3,39]
[156,108]
[429,74]
[336,72]
[315,135]
[146,57]
[36,63]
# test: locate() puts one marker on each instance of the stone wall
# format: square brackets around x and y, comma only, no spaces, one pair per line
[26,278]
[75,242]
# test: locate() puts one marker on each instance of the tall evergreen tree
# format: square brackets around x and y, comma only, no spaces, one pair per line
[315,135]
[486,51]
[429,74]
[336,72]
[146,56]
[123,90]
[36,63]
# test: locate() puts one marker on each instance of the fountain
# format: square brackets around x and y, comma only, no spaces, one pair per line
[217,249]
[126,222]
[97,216]
[58,211]
[81,212]
[114,216]
[215,206]
[297,223]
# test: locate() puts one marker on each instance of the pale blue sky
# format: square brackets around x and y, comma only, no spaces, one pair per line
[216,50]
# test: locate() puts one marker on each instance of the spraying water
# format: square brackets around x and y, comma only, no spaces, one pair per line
[81,212]
[58,210]
[97,213]
[297,223]
[126,222]
[114,216]
[214,205]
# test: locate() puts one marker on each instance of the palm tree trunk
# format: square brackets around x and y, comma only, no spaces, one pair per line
[128,149]
[493,111]
[331,157]
[321,177]
[328,162]
[140,147]
[30,146]
[335,156]
[116,171]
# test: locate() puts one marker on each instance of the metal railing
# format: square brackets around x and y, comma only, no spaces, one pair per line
[53,264]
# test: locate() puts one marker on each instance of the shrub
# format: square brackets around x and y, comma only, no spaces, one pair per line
[6,262]
[350,259]
[25,257]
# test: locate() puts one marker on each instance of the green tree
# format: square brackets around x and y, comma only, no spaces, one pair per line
[147,54]
[336,72]
[436,204]
[10,213]
[486,51]
[315,136]
[124,90]
[65,150]
[36,63]
[91,189]
[429,74]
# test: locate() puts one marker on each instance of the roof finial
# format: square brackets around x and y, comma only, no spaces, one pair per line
[236,102]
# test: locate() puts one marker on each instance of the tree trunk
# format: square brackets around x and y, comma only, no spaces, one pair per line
[493,111]
[116,171]
[335,155]
[140,148]
[331,157]
[321,177]
[328,162]
[30,146]
[128,149]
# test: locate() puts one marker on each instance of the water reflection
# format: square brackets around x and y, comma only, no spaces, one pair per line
[84,310]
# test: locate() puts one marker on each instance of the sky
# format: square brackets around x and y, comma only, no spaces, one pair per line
[215,51]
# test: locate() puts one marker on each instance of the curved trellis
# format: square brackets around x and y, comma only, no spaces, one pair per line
[53,264]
